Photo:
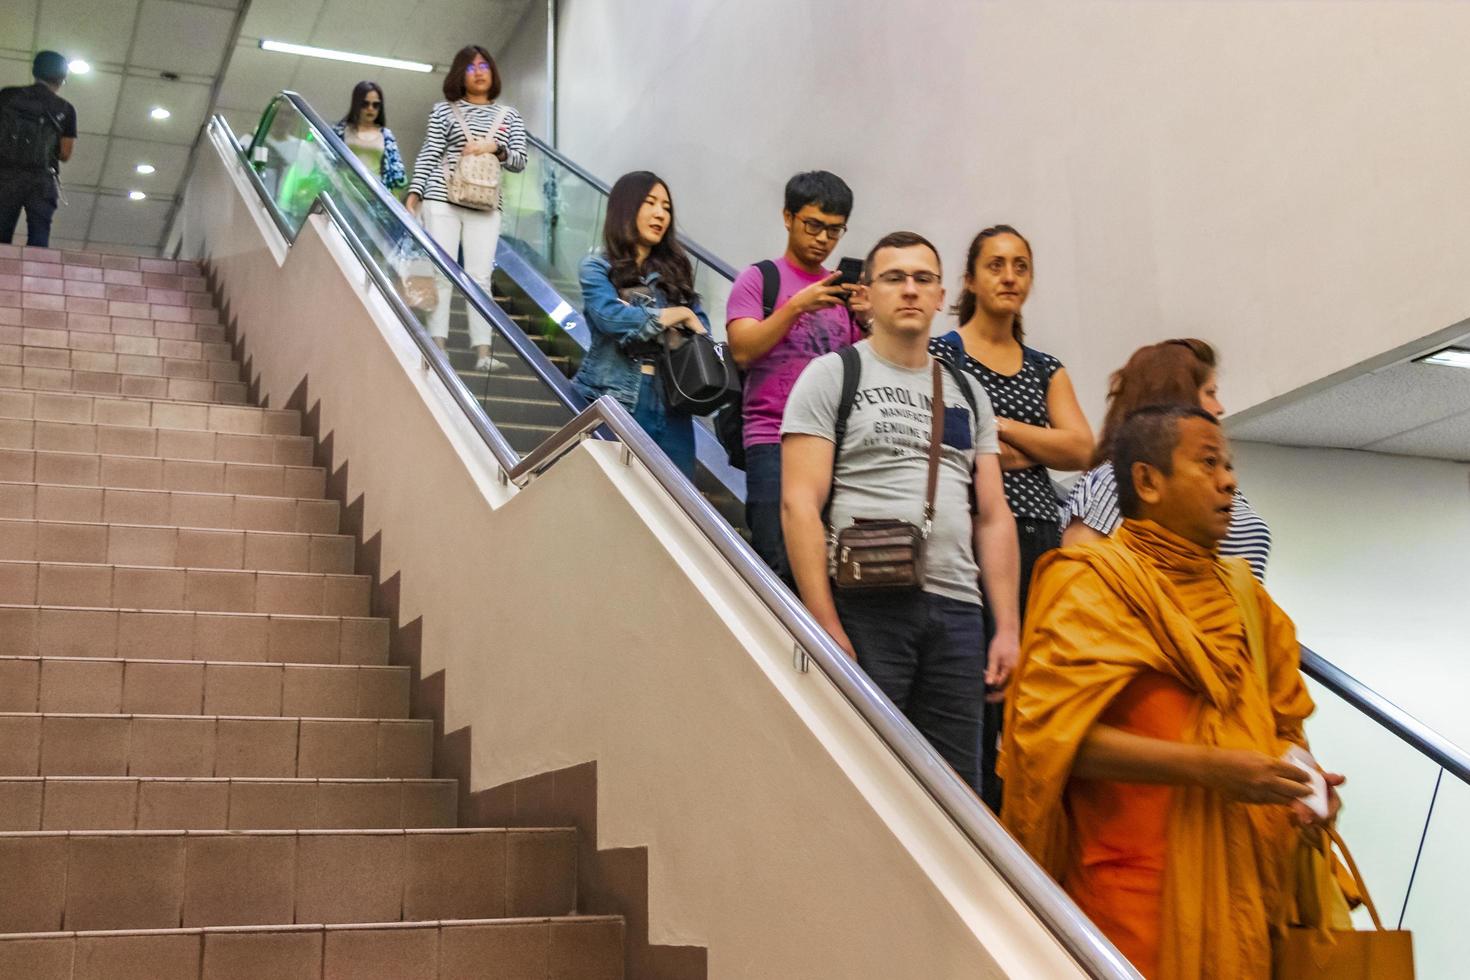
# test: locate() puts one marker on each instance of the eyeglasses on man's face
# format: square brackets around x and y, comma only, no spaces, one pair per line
[816,228]
[897,277]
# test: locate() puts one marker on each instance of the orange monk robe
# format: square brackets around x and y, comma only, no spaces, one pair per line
[1143,630]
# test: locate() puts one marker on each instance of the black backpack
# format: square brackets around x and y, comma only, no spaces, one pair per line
[730,421]
[29,135]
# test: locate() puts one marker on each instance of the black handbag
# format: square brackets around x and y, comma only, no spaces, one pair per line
[699,375]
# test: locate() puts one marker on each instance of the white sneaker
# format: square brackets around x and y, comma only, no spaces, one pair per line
[490,365]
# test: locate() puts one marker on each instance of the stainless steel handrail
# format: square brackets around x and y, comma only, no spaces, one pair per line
[1446,754]
[1092,951]
[693,248]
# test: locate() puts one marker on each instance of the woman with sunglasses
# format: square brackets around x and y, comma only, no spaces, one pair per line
[470,90]
[365,131]
[1173,372]
[640,285]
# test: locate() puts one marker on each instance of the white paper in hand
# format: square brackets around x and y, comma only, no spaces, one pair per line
[1302,759]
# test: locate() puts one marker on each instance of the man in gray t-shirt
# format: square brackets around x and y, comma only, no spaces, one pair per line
[925,648]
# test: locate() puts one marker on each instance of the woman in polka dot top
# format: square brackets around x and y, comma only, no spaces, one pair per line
[1040,423]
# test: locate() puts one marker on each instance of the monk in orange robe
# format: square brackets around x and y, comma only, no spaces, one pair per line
[1157,691]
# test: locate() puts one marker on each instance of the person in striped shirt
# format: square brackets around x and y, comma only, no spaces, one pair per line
[471,87]
[1173,372]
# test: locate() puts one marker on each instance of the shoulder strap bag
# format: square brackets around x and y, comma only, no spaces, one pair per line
[886,554]
[474,181]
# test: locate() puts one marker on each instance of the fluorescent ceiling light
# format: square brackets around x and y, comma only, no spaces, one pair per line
[285,47]
[159,112]
[1449,357]
[146,168]
[78,67]
[136,195]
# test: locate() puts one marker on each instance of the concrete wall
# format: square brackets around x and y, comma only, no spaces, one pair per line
[781,833]
[1285,178]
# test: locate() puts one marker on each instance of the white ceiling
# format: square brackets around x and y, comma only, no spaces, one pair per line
[130,43]
[1401,407]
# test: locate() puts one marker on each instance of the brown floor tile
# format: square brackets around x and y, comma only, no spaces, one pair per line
[151,688]
[382,954]
[455,876]
[382,693]
[231,636]
[260,804]
[20,804]
[320,692]
[81,686]
[349,877]
[135,507]
[20,682]
[333,748]
[131,882]
[257,747]
[69,503]
[77,632]
[35,883]
[129,545]
[84,745]
[36,959]
[212,548]
[239,880]
[405,749]
[20,745]
[262,955]
[359,805]
[221,591]
[172,747]
[541,872]
[240,689]
[276,552]
[74,585]
[311,640]
[587,950]
[279,592]
[18,631]
[174,957]
[149,588]
[90,804]
[429,803]
[509,951]
[364,641]
[178,804]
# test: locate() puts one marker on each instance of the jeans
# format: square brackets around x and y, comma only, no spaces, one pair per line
[927,653]
[763,506]
[1035,539]
[35,194]
[673,433]
[478,233]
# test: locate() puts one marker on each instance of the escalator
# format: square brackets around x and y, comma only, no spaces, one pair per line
[1410,787]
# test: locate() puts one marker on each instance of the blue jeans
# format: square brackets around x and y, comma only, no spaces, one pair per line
[763,506]
[35,194]
[673,433]
[927,653]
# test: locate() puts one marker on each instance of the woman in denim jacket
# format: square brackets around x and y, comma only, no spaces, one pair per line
[365,131]
[641,285]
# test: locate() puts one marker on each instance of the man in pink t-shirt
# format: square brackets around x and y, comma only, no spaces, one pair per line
[810,317]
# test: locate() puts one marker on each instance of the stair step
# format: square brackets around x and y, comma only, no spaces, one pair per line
[107,362]
[562,948]
[109,261]
[174,547]
[196,589]
[108,470]
[36,292]
[110,383]
[76,339]
[69,744]
[37,277]
[65,631]
[147,413]
[123,440]
[83,685]
[160,880]
[49,319]
[29,803]
[172,508]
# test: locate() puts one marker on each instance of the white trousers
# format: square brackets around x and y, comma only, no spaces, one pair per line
[479,233]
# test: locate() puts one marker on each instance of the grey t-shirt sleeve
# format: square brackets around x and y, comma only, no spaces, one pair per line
[811,409]
[986,440]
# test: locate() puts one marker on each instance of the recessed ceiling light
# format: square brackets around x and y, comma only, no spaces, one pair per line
[285,47]
[136,195]
[1449,357]
[159,112]
[145,168]
[78,67]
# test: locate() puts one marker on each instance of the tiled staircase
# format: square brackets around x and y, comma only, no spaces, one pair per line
[207,768]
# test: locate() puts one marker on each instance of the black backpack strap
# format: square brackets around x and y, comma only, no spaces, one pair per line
[852,373]
[968,392]
[770,286]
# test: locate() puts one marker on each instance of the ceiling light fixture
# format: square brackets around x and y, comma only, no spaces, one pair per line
[146,168]
[78,67]
[136,195]
[285,47]
[159,112]
[1449,357]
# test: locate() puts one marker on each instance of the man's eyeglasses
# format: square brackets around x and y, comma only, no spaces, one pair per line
[815,228]
[896,277]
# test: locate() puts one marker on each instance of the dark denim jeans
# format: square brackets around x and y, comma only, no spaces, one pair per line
[1035,539]
[927,653]
[673,433]
[36,194]
[763,506]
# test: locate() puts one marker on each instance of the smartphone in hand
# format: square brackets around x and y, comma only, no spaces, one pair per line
[849,272]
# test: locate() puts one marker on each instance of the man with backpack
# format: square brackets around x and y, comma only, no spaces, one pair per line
[38,130]
[891,488]
[783,313]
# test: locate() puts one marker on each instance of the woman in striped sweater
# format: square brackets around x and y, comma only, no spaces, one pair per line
[1181,371]
[470,87]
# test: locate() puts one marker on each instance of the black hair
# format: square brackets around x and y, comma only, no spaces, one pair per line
[898,239]
[49,66]
[620,241]
[1149,435]
[463,58]
[964,307]
[827,191]
[359,96]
